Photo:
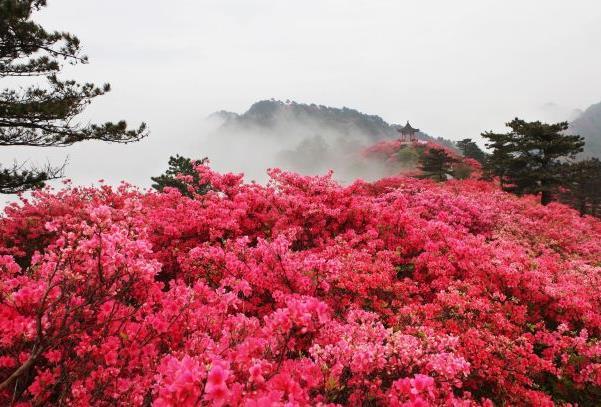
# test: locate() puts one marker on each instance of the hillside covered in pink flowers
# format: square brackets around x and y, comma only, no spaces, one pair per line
[402,292]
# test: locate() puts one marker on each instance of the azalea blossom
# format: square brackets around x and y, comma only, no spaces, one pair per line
[400,292]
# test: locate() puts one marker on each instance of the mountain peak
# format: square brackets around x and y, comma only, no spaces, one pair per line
[588,125]
[270,115]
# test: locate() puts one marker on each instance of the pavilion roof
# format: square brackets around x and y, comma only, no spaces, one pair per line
[407,129]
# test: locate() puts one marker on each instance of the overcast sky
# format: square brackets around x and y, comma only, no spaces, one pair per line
[454,68]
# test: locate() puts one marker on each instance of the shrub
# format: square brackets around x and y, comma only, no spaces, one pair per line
[401,292]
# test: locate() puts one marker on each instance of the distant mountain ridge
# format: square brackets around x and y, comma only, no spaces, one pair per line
[267,115]
[588,125]
[304,138]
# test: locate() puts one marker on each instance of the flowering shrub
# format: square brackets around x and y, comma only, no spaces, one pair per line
[402,292]
[402,157]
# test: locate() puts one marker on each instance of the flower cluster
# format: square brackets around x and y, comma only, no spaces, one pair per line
[402,292]
[402,157]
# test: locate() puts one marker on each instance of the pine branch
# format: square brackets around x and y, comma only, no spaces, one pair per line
[44,115]
[17,179]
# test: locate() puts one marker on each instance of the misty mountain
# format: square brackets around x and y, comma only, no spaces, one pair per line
[269,116]
[305,138]
[588,125]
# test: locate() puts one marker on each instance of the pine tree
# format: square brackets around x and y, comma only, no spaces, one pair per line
[470,149]
[179,169]
[44,114]
[437,164]
[529,158]
[583,186]
[498,161]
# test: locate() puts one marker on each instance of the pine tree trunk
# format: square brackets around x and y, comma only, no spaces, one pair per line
[546,197]
[582,207]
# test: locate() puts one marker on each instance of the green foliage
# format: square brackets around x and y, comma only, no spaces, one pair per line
[529,158]
[44,114]
[564,391]
[583,186]
[470,149]
[436,164]
[408,157]
[182,175]
[17,179]
[462,171]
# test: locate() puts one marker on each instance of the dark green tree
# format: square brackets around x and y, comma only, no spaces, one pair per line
[44,114]
[461,170]
[179,169]
[437,164]
[470,149]
[17,178]
[583,186]
[498,162]
[529,158]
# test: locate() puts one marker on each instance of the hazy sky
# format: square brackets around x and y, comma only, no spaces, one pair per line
[454,68]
